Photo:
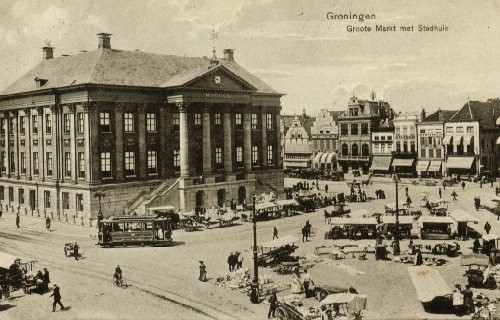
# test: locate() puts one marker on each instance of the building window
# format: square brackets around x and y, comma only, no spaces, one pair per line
[345,150]
[397,130]
[48,124]
[412,130]
[4,126]
[106,164]
[128,125]
[423,141]
[67,123]
[343,129]
[354,150]
[270,158]
[365,150]
[422,153]
[255,155]
[239,120]
[364,128]
[177,158]
[46,199]
[382,148]
[151,122]
[438,153]
[354,129]
[80,122]
[197,119]
[255,121]
[23,163]
[460,129]
[2,193]
[375,138]
[104,122]
[79,202]
[431,153]
[218,155]
[22,124]
[218,119]
[67,164]
[65,200]
[176,120]
[12,162]
[152,160]
[412,146]
[449,129]
[398,147]
[11,194]
[81,165]
[34,124]
[35,163]
[4,161]
[239,154]
[470,129]
[129,163]
[21,196]
[49,163]
[269,121]
[405,146]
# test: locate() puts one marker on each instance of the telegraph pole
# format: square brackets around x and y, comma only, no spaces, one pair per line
[396,248]
[254,295]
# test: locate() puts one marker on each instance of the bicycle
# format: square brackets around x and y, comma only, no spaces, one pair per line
[118,281]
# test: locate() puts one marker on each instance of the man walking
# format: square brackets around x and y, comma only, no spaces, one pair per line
[275,233]
[273,300]
[487,227]
[57,298]
[326,188]
[406,190]
[439,191]
[75,250]
[304,233]
[454,195]
[230,262]
[18,220]
[306,282]
[463,185]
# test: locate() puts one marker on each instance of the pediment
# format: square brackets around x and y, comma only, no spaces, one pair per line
[220,78]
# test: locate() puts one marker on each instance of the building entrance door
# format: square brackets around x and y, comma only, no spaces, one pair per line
[242,195]
[221,197]
[32,199]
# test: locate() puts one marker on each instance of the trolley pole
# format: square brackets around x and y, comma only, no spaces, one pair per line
[396,248]
[254,295]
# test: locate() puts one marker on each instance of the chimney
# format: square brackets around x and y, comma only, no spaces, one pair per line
[228,54]
[48,52]
[104,40]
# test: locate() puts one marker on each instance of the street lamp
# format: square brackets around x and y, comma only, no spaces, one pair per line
[254,295]
[396,248]
[99,194]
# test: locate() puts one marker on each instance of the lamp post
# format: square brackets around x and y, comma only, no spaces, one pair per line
[254,295]
[396,248]
[99,194]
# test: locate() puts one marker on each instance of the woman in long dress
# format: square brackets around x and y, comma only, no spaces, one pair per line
[203,272]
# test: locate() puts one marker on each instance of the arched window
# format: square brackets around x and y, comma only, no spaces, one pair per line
[354,150]
[364,150]
[345,150]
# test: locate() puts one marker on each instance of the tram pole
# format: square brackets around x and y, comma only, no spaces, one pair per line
[254,295]
[396,248]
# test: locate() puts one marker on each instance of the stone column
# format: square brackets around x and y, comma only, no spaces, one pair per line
[183,139]
[7,143]
[119,165]
[247,141]
[142,158]
[92,152]
[164,133]
[207,146]
[277,129]
[29,169]
[72,130]
[228,144]
[16,145]
[263,137]
[41,143]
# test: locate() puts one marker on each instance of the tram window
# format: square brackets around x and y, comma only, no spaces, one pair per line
[148,226]
[135,226]
[117,227]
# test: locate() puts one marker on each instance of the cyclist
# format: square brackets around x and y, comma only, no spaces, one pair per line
[118,275]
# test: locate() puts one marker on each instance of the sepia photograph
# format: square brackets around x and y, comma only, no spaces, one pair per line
[249,159]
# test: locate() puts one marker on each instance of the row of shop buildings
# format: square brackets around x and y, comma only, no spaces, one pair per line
[370,137]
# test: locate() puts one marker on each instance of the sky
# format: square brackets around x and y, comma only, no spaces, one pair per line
[289,44]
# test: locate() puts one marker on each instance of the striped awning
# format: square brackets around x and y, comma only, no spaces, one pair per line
[331,157]
[318,157]
[381,162]
[457,140]
[459,162]
[468,139]
[435,166]
[447,139]
[323,157]
[422,165]
[402,162]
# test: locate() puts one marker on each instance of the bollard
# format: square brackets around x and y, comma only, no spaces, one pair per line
[38,212]
[45,213]
[74,219]
[25,211]
[66,216]
[82,220]
[51,215]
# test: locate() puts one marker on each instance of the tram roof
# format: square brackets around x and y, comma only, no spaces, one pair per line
[134,219]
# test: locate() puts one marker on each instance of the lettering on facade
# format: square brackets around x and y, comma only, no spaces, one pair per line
[217,95]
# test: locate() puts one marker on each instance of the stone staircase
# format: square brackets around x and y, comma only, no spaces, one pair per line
[139,203]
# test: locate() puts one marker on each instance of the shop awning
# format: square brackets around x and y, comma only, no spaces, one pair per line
[422,165]
[459,162]
[381,162]
[402,220]
[353,221]
[402,162]
[296,164]
[447,139]
[323,157]
[6,260]
[460,215]
[265,206]
[435,166]
[468,139]
[435,219]
[331,157]
[474,259]
[457,140]
[286,202]
[498,140]
[281,242]
[318,157]
[428,283]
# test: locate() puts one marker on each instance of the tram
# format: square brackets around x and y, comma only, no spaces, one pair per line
[135,230]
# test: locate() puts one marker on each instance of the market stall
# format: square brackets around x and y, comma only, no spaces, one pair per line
[462,218]
[265,211]
[430,285]
[352,228]
[405,225]
[276,251]
[435,228]
[287,207]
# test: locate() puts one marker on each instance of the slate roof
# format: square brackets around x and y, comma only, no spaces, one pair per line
[305,120]
[127,68]
[440,115]
[486,112]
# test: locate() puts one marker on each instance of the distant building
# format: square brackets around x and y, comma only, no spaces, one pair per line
[356,124]
[471,139]
[382,148]
[430,150]
[324,139]
[405,144]
[297,151]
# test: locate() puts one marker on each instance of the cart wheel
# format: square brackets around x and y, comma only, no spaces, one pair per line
[65,251]
[281,313]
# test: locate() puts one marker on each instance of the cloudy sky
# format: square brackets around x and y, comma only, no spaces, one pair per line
[289,44]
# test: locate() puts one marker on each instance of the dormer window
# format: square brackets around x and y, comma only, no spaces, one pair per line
[40,82]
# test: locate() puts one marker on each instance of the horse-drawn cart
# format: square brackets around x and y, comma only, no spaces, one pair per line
[277,251]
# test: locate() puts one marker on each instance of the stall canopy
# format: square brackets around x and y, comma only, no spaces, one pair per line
[435,166]
[460,215]
[6,260]
[491,236]
[402,220]
[318,157]
[447,139]
[474,259]
[402,162]
[281,242]
[498,140]
[331,157]
[422,165]
[459,162]
[286,202]
[360,213]
[381,162]
[265,206]
[468,139]
[457,140]
[165,208]
[353,221]
[429,283]
[435,219]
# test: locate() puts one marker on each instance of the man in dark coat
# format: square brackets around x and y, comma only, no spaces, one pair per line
[75,250]
[57,298]
[18,220]
[487,227]
[468,300]
[230,262]
[273,301]
[304,233]
[275,233]
[439,191]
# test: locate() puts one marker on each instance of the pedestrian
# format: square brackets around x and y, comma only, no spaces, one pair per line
[463,185]
[418,258]
[480,183]
[408,202]
[444,186]
[326,188]
[275,233]
[476,203]
[1,211]
[18,220]
[240,260]
[468,300]
[203,272]
[304,233]
[233,204]
[75,250]
[46,276]
[273,301]
[57,298]
[352,190]
[308,229]
[47,223]
[487,227]
[307,283]
[230,262]
[439,191]
[406,191]
[454,195]
[476,245]
[458,300]
[493,256]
